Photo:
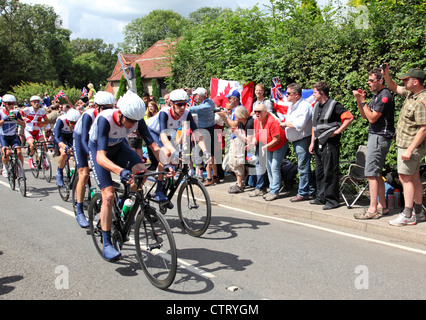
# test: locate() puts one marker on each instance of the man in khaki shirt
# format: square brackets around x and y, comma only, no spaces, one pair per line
[410,140]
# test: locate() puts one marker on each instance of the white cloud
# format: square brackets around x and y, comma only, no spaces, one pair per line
[106,19]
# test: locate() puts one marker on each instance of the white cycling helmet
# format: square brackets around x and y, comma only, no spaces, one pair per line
[35,98]
[9,98]
[73,115]
[103,98]
[131,106]
[178,95]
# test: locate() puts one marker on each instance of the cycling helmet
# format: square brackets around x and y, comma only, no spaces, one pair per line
[73,115]
[103,98]
[131,106]
[178,95]
[35,98]
[9,98]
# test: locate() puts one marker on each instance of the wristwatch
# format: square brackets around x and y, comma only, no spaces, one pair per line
[363,103]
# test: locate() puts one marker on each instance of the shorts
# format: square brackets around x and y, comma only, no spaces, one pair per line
[409,167]
[80,156]
[377,149]
[10,141]
[36,135]
[121,154]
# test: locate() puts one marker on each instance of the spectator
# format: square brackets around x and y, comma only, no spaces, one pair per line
[53,115]
[259,91]
[329,120]
[410,140]
[151,116]
[271,136]
[46,100]
[298,130]
[237,153]
[206,118]
[91,93]
[380,113]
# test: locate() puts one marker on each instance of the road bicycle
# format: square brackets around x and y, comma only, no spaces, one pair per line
[193,201]
[155,244]
[69,176]
[41,161]
[16,173]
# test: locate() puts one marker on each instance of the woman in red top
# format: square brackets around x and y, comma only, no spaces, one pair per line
[273,141]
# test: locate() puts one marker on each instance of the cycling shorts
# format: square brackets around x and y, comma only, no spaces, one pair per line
[80,156]
[121,154]
[10,141]
[35,135]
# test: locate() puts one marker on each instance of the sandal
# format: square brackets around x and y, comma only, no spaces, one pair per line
[367,215]
[383,211]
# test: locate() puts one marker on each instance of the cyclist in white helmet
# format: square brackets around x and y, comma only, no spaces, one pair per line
[9,118]
[110,152]
[35,117]
[62,133]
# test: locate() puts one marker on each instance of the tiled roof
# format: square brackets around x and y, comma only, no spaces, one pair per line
[152,62]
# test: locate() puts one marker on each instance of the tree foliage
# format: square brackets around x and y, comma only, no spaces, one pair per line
[300,42]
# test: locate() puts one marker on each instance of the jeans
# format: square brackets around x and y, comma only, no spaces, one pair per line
[274,160]
[301,148]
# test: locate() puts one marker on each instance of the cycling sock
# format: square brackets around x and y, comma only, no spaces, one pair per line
[418,208]
[159,186]
[79,207]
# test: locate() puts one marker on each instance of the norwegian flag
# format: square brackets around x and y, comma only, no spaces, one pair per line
[221,89]
[191,101]
[83,92]
[61,94]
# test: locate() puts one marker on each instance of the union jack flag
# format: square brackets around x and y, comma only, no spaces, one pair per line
[191,101]
[83,92]
[61,94]
[276,90]
[56,98]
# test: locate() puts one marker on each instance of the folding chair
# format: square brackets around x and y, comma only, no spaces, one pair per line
[354,184]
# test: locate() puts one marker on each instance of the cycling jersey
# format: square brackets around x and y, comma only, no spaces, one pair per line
[62,132]
[8,133]
[81,137]
[32,118]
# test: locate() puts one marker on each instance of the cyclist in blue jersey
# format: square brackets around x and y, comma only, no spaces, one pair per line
[103,101]
[110,152]
[62,134]
[9,118]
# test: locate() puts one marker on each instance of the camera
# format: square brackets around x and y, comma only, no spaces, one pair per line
[218,110]
[383,65]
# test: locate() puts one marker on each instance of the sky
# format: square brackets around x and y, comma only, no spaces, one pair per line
[106,19]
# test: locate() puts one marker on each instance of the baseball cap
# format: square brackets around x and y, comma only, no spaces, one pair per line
[200,91]
[412,73]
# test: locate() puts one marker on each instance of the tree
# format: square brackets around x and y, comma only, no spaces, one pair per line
[139,84]
[143,32]
[122,88]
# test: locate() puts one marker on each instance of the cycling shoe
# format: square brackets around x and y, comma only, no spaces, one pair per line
[160,196]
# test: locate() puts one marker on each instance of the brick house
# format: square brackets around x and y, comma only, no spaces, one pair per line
[154,64]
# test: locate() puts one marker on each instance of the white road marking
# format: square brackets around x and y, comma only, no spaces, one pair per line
[350,235]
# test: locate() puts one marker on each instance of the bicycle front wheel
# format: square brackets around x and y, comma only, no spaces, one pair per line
[22,180]
[194,207]
[155,248]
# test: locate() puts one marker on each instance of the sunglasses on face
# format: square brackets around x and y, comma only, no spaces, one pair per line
[130,120]
[257,111]
[9,103]
[72,122]
[181,104]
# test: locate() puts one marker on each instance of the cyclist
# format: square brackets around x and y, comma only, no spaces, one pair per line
[171,119]
[62,135]
[103,101]
[110,152]
[35,118]
[9,118]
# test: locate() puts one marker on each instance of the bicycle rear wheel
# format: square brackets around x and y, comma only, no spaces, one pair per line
[65,191]
[36,170]
[155,248]
[22,180]
[194,207]
[94,213]
[46,167]
[86,199]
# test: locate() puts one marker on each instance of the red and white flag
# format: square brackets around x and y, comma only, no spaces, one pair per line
[221,89]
